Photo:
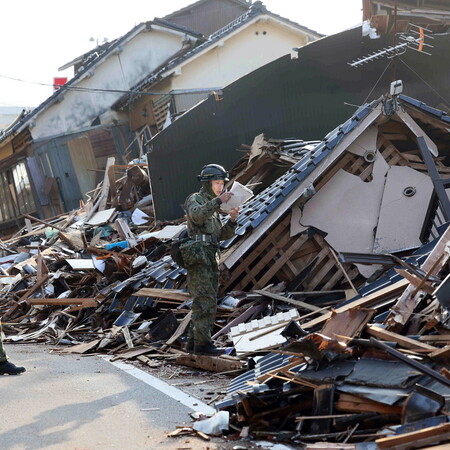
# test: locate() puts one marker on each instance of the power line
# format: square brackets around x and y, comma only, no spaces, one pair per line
[110,91]
[428,84]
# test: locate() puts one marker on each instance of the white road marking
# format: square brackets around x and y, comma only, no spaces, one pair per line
[188,400]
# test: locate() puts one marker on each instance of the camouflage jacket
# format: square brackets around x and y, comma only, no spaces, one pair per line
[203,217]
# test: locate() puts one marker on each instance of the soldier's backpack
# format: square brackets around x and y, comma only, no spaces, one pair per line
[175,251]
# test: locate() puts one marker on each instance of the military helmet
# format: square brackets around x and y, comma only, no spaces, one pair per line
[213,172]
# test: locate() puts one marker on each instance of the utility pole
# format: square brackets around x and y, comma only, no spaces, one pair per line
[394,43]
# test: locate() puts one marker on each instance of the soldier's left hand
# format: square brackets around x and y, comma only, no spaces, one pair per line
[234,214]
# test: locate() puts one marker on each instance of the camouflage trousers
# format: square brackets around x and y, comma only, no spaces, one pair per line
[203,284]
[2,350]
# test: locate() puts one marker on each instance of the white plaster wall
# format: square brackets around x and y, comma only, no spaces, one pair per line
[240,54]
[139,57]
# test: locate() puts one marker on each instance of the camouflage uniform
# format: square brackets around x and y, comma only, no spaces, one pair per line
[201,260]
[3,357]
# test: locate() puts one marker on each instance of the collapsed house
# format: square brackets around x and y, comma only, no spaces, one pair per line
[364,189]
[338,274]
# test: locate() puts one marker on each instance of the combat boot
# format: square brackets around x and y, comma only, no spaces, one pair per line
[208,349]
[190,346]
[7,368]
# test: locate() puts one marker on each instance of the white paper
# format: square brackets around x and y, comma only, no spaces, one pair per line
[101,217]
[240,195]
[81,264]
[168,232]
[139,217]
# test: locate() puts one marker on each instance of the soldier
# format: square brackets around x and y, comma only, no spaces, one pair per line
[201,254]
[5,366]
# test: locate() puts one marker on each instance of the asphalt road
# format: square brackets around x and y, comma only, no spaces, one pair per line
[75,402]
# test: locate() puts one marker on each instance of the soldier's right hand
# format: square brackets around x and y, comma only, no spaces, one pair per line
[225,196]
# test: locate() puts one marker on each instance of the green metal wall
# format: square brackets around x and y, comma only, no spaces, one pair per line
[303,98]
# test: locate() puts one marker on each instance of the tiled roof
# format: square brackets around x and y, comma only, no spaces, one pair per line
[296,148]
[439,114]
[254,11]
[90,64]
[258,209]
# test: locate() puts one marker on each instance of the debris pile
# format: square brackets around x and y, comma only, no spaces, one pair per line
[334,300]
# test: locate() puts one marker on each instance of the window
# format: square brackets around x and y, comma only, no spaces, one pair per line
[16,197]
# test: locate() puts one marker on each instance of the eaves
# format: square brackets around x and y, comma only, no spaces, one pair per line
[158,24]
[217,40]
[199,2]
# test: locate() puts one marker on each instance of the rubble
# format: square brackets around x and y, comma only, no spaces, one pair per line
[336,321]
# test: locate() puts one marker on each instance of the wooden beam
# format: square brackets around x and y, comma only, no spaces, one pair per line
[105,186]
[290,301]
[416,439]
[441,353]
[222,363]
[353,403]
[170,294]
[402,310]
[391,290]
[416,281]
[404,341]
[86,302]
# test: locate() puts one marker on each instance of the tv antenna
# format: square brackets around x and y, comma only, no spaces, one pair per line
[414,39]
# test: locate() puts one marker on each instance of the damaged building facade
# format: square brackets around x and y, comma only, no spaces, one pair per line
[54,155]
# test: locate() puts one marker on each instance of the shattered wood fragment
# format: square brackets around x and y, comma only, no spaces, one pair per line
[204,436]
[353,403]
[181,329]
[85,302]
[404,341]
[416,281]
[442,354]
[406,304]
[105,186]
[349,323]
[290,300]
[170,294]
[74,238]
[219,364]
[43,222]
[323,401]
[416,439]
[81,348]
[369,300]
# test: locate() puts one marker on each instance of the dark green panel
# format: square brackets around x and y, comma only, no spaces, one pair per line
[303,98]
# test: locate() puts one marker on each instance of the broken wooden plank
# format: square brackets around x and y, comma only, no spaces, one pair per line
[81,348]
[416,281]
[221,363]
[404,341]
[402,310]
[441,354]
[344,271]
[170,294]
[348,323]
[353,403]
[86,302]
[290,300]
[43,222]
[105,186]
[416,439]
[181,329]
[369,300]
